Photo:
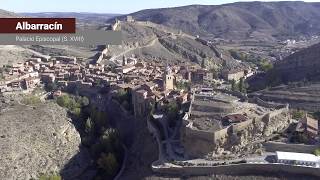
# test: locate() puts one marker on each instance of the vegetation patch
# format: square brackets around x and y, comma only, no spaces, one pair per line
[31,100]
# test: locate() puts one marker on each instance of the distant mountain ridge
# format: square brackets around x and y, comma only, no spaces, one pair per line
[242,20]
[84,19]
[8,14]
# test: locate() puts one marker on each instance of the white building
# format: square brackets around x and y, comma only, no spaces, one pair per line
[293,158]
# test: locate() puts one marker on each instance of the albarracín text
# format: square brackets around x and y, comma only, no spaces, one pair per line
[27,26]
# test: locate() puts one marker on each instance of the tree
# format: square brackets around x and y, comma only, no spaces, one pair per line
[51,87]
[233,85]
[108,163]
[203,63]
[242,85]
[122,95]
[214,73]
[63,100]
[317,152]
[172,111]
[88,126]
[76,111]
[266,66]
[296,114]
[110,138]
[85,101]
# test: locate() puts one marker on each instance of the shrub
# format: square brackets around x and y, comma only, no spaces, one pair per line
[317,152]
[108,163]
[297,114]
[50,177]
[31,100]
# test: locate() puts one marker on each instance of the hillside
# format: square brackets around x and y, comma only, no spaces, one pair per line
[149,41]
[38,140]
[85,20]
[262,20]
[302,66]
[7,14]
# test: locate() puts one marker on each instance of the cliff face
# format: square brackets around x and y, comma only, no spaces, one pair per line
[39,140]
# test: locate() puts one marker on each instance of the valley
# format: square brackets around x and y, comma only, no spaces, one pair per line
[225,91]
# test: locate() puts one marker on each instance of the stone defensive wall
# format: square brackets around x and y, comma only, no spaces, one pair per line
[299,148]
[194,138]
[241,126]
[239,169]
[271,115]
[221,134]
[199,142]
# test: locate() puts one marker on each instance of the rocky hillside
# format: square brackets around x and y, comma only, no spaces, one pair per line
[84,20]
[263,20]
[38,140]
[149,41]
[303,65]
[7,14]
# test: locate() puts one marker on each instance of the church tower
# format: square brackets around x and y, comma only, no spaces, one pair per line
[168,79]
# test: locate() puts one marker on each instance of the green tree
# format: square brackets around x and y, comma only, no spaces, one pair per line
[76,111]
[172,111]
[233,85]
[63,100]
[110,138]
[242,85]
[108,163]
[297,114]
[85,101]
[122,95]
[317,152]
[266,66]
[51,87]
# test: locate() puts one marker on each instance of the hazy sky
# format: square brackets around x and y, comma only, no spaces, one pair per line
[101,6]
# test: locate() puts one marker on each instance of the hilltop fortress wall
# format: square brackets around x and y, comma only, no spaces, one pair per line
[199,143]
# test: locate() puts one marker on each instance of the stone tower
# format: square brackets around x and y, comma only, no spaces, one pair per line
[124,61]
[168,79]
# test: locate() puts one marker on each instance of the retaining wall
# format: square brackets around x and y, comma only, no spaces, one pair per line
[239,169]
[278,146]
[263,103]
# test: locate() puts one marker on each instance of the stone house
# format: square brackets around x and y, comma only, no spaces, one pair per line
[233,75]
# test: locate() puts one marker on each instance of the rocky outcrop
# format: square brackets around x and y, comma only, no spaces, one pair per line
[36,140]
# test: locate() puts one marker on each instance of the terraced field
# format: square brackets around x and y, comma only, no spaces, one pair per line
[305,97]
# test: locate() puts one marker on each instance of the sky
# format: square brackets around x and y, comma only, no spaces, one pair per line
[101,6]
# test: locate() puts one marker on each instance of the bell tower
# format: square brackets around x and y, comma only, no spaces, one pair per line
[168,79]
